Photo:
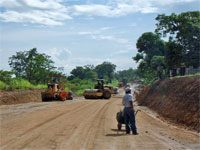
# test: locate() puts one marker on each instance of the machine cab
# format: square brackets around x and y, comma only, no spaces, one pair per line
[55,79]
[53,87]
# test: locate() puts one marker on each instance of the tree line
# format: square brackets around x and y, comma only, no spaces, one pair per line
[182,47]
[36,67]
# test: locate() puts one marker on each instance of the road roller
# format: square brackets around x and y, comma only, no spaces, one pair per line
[99,91]
[56,90]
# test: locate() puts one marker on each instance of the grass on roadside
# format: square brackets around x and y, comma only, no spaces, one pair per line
[114,83]
[78,86]
[188,75]
[19,84]
[3,86]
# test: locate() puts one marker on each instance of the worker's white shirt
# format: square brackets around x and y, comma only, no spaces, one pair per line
[126,100]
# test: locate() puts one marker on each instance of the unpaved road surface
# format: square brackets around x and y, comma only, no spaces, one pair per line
[85,125]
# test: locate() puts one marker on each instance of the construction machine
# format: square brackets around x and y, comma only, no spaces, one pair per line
[99,91]
[113,90]
[55,90]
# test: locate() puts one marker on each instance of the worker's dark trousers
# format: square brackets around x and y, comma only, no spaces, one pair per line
[129,119]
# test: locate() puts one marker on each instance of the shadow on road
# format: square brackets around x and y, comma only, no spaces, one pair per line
[118,133]
[116,130]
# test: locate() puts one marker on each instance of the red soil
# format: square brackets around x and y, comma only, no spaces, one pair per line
[176,99]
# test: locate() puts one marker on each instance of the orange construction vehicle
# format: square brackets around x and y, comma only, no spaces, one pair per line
[56,90]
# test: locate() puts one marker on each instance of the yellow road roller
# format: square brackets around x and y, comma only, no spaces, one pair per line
[99,91]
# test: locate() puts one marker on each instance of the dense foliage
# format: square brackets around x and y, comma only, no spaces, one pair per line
[7,82]
[32,66]
[183,31]
[127,75]
[31,69]
[182,47]
[85,72]
[105,71]
[151,51]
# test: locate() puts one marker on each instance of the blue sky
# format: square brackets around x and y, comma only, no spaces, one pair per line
[80,32]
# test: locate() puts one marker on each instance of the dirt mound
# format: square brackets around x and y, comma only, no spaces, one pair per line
[16,97]
[176,99]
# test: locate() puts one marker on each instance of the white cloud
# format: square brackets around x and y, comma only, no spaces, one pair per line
[122,63]
[105,28]
[110,38]
[117,8]
[108,11]
[48,4]
[96,32]
[49,12]
[54,12]
[125,42]
[169,2]
[39,17]
[9,4]
[133,24]
[85,33]
[93,9]
[120,52]
[65,58]
[153,2]
[60,56]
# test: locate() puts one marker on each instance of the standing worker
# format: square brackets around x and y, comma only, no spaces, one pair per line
[129,112]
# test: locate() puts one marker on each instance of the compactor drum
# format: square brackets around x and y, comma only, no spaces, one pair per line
[55,90]
[99,92]
[113,90]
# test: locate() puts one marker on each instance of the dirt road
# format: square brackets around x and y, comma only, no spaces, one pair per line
[85,125]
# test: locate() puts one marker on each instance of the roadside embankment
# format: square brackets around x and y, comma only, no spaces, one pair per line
[19,96]
[176,99]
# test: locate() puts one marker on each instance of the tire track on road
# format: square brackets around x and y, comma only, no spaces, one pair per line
[68,112]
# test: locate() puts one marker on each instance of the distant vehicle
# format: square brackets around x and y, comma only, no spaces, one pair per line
[127,86]
[116,90]
[120,84]
[99,91]
[55,90]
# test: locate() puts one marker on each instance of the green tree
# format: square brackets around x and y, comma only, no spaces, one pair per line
[90,72]
[91,75]
[78,72]
[157,61]
[106,70]
[31,65]
[183,31]
[88,68]
[174,55]
[6,76]
[127,75]
[149,44]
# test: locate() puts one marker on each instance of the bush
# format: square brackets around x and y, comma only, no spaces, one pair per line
[18,83]
[78,86]
[3,86]
[188,75]
[40,86]
[6,76]
[114,83]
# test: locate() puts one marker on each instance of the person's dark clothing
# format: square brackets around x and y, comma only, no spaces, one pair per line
[129,118]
